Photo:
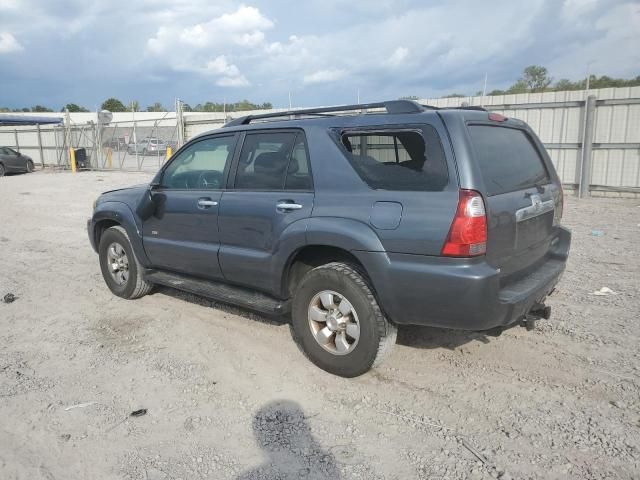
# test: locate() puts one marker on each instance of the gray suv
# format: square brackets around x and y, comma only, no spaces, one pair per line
[353,220]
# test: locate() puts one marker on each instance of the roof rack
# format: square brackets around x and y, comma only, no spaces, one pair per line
[470,107]
[392,107]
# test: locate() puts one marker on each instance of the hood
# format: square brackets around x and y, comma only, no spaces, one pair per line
[128,195]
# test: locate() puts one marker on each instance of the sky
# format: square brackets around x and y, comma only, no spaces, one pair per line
[318,52]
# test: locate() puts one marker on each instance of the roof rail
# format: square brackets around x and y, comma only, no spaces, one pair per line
[470,107]
[392,107]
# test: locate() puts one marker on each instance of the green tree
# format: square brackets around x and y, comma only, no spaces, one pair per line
[113,105]
[187,108]
[72,107]
[454,95]
[40,108]
[239,106]
[566,84]
[156,107]
[410,97]
[534,79]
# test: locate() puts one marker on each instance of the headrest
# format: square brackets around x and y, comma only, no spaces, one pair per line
[270,162]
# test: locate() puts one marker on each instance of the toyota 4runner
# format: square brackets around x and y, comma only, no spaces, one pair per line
[353,220]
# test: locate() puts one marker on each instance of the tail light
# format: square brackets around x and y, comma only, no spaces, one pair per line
[468,233]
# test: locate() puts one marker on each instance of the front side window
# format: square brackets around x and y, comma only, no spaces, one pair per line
[411,159]
[8,151]
[201,165]
[274,161]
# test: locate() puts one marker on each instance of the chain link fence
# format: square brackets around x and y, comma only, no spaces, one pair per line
[137,145]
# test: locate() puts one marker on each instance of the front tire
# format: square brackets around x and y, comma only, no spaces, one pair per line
[30,166]
[120,268]
[337,322]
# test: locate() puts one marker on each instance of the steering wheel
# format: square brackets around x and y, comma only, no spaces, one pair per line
[209,179]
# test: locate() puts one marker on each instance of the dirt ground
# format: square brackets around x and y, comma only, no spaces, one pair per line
[229,395]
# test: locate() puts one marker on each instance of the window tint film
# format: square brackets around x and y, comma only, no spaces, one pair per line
[201,165]
[398,159]
[507,159]
[264,161]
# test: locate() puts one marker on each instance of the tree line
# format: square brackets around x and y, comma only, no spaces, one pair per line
[115,105]
[534,78]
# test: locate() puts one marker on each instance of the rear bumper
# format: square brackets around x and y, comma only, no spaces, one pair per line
[459,293]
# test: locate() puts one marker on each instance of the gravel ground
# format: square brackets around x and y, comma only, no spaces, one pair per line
[228,394]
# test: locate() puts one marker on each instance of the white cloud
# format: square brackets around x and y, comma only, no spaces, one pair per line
[324,76]
[239,81]
[244,27]
[8,4]
[8,43]
[578,7]
[243,19]
[399,55]
[250,39]
[220,66]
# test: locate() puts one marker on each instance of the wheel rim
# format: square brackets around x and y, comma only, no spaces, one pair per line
[118,263]
[334,322]
[30,166]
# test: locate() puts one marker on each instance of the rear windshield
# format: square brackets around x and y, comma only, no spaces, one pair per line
[397,159]
[507,159]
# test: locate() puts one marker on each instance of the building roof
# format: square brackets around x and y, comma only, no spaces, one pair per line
[7,119]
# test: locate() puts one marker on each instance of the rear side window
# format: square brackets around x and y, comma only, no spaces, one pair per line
[274,161]
[507,159]
[397,159]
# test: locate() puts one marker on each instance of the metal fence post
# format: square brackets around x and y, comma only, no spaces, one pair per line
[15,134]
[40,145]
[179,123]
[587,144]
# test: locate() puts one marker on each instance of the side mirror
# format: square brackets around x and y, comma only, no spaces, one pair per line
[147,205]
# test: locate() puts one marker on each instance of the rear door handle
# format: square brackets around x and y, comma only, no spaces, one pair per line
[206,203]
[288,206]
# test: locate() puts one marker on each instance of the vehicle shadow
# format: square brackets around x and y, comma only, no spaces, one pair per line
[281,431]
[414,336]
[417,336]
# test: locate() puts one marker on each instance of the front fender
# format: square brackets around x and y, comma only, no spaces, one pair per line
[120,213]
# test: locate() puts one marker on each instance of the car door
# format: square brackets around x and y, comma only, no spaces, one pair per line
[272,188]
[182,234]
[12,160]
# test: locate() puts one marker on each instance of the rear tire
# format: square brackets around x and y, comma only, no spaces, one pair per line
[120,268]
[30,166]
[2,170]
[345,339]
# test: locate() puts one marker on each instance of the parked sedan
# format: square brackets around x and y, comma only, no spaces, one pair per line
[148,146]
[13,162]
[116,143]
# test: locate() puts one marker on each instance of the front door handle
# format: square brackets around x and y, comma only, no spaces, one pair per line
[206,203]
[288,206]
